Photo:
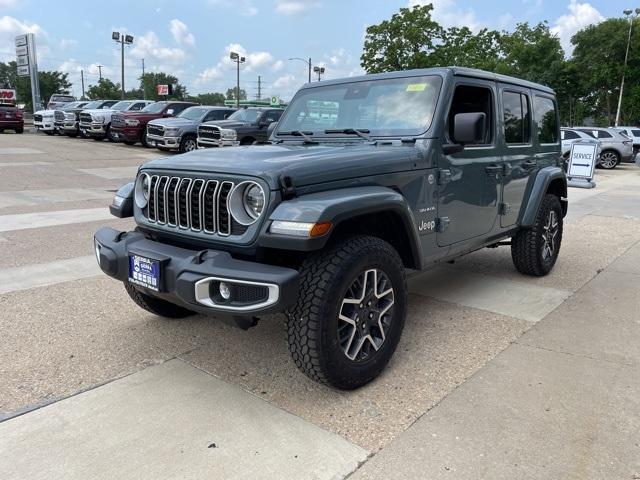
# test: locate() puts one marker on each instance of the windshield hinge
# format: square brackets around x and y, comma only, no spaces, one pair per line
[287,188]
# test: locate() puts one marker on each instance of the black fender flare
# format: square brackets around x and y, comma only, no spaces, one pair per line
[122,204]
[337,207]
[543,180]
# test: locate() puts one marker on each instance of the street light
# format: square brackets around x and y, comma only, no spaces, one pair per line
[308,62]
[319,71]
[238,59]
[627,12]
[123,40]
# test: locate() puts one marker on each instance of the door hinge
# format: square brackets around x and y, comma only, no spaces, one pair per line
[441,224]
[444,176]
[505,208]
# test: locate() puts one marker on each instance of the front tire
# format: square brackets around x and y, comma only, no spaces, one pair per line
[188,144]
[350,312]
[609,159]
[535,250]
[19,130]
[155,305]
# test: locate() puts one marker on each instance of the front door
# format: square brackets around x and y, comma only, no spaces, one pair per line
[519,160]
[469,181]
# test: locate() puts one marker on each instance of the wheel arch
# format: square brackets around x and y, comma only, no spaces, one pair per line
[548,180]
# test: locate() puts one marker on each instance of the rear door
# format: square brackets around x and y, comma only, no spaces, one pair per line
[519,161]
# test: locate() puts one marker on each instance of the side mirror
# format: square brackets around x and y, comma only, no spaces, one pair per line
[272,126]
[469,128]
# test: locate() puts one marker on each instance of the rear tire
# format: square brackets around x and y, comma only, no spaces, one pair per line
[155,305]
[609,159]
[535,250]
[350,312]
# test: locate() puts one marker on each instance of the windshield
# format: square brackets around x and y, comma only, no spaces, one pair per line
[154,107]
[245,115]
[70,106]
[121,105]
[93,105]
[389,107]
[193,113]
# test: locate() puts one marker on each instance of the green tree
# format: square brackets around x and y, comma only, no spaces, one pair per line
[150,81]
[213,98]
[105,89]
[231,93]
[405,41]
[460,46]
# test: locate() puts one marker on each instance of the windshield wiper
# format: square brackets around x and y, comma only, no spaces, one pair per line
[300,133]
[361,132]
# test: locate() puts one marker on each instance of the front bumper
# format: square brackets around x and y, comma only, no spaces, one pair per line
[45,125]
[165,142]
[126,134]
[187,275]
[97,130]
[207,143]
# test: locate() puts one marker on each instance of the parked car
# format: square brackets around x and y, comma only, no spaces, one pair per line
[634,134]
[11,118]
[131,127]
[570,136]
[58,100]
[615,147]
[99,120]
[71,125]
[324,223]
[244,127]
[85,118]
[180,132]
[60,114]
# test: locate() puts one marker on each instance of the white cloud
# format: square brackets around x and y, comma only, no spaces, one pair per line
[448,14]
[580,15]
[67,43]
[277,66]
[11,27]
[149,47]
[295,7]
[243,7]
[181,33]
[285,82]
[8,3]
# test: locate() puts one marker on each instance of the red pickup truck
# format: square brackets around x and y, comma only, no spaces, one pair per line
[131,127]
[11,118]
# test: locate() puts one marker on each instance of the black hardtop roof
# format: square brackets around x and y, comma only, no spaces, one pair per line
[457,71]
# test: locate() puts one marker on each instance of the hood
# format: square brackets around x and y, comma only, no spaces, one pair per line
[44,113]
[174,122]
[227,123]
[96,111]
[305,164]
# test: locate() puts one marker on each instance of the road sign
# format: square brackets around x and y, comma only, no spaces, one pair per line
[23,50]
[23,71]
[23,60]
[275,100]
[21,40]
[7,95]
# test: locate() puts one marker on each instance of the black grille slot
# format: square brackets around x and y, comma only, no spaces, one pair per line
[212,133]
[224,223]
[58,115]
[250,293]
[162,205]
[151,205]
[171,201]
[85,118]
[209,209]
[183,213]
[155,130]
[194,205]
[37,118]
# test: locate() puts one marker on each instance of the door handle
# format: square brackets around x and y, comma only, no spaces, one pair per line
[529,163]
[492,169]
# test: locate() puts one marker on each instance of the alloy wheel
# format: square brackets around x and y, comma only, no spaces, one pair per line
[549,234]
[608,160]
[189,145]
[365,315]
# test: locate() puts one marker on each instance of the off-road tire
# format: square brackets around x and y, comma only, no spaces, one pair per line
[186,142]
[312,324]
[613,155]
[154,305]
[527,245]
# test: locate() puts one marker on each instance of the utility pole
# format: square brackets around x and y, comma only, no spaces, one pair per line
[259,87]
[144,93]
[626,55]
[307,61]
[100,72]
[82,81]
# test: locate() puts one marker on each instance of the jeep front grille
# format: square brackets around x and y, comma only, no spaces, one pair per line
[155,130]
[209,132]
[192,204]
[85,118]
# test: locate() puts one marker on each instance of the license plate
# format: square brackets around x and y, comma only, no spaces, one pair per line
[144,271]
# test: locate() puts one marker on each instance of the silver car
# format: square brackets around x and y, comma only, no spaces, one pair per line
[616,147]
[570,136]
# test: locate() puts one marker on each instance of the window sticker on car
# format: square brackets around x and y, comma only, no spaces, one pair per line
[416,87]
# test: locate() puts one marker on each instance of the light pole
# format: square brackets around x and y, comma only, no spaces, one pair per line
[238,59]
[628,15]
[123,40]
[319,71]
[308,62]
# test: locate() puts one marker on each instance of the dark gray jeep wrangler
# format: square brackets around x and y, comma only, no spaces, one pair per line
[365,180]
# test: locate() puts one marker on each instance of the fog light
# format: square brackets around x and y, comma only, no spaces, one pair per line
[225,291]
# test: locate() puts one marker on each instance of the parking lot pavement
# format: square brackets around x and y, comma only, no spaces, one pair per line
[476,333]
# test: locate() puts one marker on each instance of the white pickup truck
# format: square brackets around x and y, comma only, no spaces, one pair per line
[97,123]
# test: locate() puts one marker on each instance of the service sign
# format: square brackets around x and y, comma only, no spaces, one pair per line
[582,160]
[7,95]
[163,89]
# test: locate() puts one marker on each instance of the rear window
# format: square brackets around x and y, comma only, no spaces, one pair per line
[547,120]
[603,134]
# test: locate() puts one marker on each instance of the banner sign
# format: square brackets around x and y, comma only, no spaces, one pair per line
[7,95]
[163,89]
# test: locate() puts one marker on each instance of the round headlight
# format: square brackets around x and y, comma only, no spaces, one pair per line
[142,190]
[246,202]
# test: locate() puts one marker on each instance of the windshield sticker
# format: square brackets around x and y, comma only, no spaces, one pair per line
[416,87]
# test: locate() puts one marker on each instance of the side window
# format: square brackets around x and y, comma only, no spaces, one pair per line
[178,107]
[471,99]
[516,118]
[214,115]
[603,134]
[569,135]
[139,106]
[547,120]
[273,116]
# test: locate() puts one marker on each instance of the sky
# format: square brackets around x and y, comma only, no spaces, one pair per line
[192,39]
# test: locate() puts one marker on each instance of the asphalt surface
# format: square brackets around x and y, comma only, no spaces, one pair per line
[494,369]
